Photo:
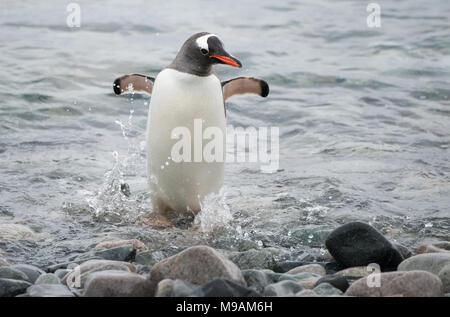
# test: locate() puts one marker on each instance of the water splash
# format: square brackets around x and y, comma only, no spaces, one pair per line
[215,213]
[114,202]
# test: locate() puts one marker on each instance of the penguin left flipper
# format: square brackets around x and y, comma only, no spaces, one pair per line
[244,85]
[133,83]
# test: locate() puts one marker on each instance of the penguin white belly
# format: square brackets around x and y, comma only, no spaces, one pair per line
[178,99]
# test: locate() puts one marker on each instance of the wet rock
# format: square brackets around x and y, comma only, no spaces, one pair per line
[252,259]
[285,266]
[333,267]
[336,281]
[33,272]
[326,289]
[430,262]
[222,287]
[311,235]
[149,257]
[354,272]
[61,273]
[177,288]
[246,245]
[117,284]
[47,278]
[357,243]
[196,265]
[10,288]
[306,293]
[13,274]
[443,245]
[310,268]
[49,290]
[123,253]
[404,251]
[429,248]
[4,262]
[444,275]
[11,231]
[305,279]
[143,269]
[407,284]
[140,246]
[258,280]
[92,266]
[282,289]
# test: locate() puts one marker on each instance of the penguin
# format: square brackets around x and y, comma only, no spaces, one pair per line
[185,93]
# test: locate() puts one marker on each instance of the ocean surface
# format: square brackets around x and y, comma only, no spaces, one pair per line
[363,113]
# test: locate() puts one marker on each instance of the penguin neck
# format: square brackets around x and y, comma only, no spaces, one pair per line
[187,64]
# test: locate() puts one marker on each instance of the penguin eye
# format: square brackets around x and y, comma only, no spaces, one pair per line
[204,51]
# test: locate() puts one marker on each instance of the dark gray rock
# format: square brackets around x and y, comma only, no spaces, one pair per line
[258,280]
[252,259]
[333,267]
[283,289]
[33,272]
[117,284]
[404,251]
[149,258]
[221,287]
[336,281]
[49,290]
[285,266]
[13,274]
[357,244]
[11,288]
[326,289]
[124,253]
[61,273]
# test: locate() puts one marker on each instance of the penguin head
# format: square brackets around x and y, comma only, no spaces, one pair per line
[200,52]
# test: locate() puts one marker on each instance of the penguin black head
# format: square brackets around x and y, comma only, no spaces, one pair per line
[200,52]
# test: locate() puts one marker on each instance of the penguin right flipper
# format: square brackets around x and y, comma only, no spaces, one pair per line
[244,85]
[133,83]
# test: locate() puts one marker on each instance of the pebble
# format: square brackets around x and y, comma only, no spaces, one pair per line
[429,248]
[47,278]
[139,245]
[357,243]
[123,253]
[306,293]
[305,279]
[11,288]
[326,289]
[222,287]
[336,281]
[430,262]
[177,288]
[310,268]
[258,279]
[13,274]
[11,231]
[354,272]
[49,290]
[252,259]
[117,284]
[149,257]
[407,284]
[61,273]
[285,266]
[196,265]
[92,266]
[33,272]
[282,289]
[404,251]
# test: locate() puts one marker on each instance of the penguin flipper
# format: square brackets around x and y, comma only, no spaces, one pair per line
[128,84]
[244,85]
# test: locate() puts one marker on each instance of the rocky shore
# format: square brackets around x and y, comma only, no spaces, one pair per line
[361,262]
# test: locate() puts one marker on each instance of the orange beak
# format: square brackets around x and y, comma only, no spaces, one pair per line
[228,60]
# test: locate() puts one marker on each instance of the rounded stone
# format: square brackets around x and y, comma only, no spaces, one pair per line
[47,278]
[310,268]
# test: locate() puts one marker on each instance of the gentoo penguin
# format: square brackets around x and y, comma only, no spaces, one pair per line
[187,95]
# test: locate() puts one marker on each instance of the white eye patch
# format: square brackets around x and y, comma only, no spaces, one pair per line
[202,41]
